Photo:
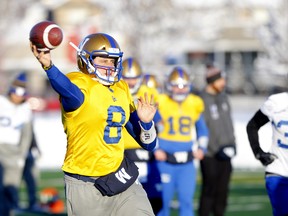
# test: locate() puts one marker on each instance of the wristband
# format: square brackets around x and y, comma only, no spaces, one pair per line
[48,67]
[148,136]
[146,126]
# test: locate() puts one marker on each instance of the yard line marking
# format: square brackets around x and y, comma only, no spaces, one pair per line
[247,207]
[248,199]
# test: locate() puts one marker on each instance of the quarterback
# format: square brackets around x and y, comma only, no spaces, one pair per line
[96,105]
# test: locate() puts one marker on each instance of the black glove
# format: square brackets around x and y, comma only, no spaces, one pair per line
[266,158]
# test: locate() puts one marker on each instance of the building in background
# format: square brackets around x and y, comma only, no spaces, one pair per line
[246,39]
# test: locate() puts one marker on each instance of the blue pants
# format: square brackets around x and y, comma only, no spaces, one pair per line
[277,189]
[8,196]
[153,186]
[30,180]
[179,178]
[1,191]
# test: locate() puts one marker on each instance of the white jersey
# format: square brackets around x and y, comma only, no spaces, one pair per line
[276,108]
[15,139]
[12,119]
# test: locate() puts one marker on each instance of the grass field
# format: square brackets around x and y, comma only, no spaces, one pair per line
[247,194]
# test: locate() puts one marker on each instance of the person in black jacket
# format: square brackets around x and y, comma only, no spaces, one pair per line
[216,167]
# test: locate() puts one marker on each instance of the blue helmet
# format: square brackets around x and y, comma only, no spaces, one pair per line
[18,86]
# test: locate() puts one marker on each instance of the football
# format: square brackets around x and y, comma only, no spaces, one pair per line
[46,35]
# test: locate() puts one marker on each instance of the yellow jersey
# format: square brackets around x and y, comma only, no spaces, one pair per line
[179,118]
[150,91]
[95,131]
[130,142]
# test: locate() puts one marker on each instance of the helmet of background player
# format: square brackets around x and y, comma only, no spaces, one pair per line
[50,200]
[18,85]
[48,195]
[102,45]
[150,81]
[132,74]
[178,84]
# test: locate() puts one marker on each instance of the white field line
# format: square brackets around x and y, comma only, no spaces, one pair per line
[248,199]
[246,207]
[247,203]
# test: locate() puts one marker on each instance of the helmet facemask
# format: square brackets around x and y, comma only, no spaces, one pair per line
[134,89]
[178,79]
[113,74]
[178,96]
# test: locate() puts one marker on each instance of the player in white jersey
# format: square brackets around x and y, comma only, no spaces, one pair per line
[274,110]
[15,138]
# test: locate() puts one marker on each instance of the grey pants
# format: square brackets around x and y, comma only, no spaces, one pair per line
[83,199]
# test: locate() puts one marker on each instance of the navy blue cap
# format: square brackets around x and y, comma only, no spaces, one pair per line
[18,86]
[20,80]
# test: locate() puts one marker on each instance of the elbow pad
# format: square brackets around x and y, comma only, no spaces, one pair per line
[147,136]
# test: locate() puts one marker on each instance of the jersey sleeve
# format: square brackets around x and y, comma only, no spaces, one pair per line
[134,129]
[70,95]
[268,107]
[198,106]
[255,123]
[275,103]
[201,127]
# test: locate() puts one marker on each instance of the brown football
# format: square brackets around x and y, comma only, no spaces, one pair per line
[46,35]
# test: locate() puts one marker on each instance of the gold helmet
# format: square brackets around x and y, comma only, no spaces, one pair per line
[103,45]
[150,81]
[132,74]
[178,78]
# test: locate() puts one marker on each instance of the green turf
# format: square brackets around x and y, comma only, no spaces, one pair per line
[247,193]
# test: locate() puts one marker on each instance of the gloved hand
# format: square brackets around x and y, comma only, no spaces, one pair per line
[265,158]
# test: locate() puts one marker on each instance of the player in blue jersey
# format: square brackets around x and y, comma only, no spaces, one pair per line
[96,106]
[275,111]
[182,114]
